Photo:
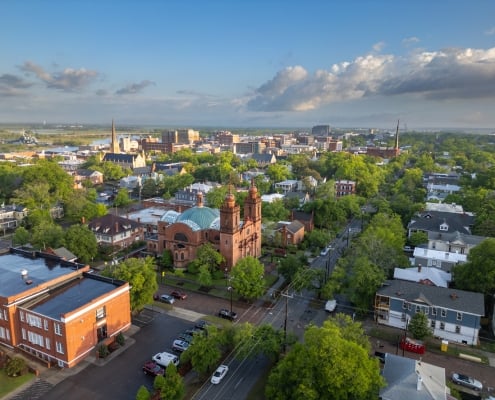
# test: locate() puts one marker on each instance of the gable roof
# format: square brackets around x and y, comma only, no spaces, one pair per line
[118,157]
[412,379]
[434,275]
[456,238]
[112,224]
[88,172]
[431,221]
[453,299]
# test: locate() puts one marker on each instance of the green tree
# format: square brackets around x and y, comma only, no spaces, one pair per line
[419,326]
[204,351]
[171,387]
[140,273]
[122,198]
[289,266]
[418,238]
[478,273]
[207,255]
[204,276]
[278,172]
[365,278]
[274,211]
[82,242]
[21,236]
[47,234]
[247,278]
[143,393]
[328,365]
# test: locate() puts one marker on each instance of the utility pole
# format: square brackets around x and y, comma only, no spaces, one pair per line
[286,295]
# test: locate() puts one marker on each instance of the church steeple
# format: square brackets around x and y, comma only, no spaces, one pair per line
[114,147]
[397,136]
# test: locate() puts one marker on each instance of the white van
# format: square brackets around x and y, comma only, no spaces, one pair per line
[165,358]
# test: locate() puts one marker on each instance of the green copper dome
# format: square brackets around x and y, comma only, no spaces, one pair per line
[199,218]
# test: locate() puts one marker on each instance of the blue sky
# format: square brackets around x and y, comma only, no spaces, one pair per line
[228,63]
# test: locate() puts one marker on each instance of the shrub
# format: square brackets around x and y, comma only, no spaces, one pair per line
[103,351]
[120,339]
[15,367]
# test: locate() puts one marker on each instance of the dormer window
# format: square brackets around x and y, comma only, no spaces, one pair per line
[444,227]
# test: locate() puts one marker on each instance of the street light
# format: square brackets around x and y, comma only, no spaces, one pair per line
[230,289]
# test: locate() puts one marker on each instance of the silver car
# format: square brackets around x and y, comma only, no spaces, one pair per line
[467,381]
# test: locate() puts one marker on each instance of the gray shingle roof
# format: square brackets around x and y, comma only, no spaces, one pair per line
[453,299]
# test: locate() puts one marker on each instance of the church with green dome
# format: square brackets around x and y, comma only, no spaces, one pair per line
[234,237]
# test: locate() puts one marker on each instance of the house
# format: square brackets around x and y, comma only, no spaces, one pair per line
[307,219]
[287,186]
[411,379]
[11,216]
[344,188]
[453,315]
[453,242]
[441,222]
[425,275]
[56,311]
[86,175]
[438,259]
[302,197]
[188,195]
[112,230]
[292,233]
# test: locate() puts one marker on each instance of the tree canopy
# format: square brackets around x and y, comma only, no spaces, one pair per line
[246,278]
[330,364]
[140,274]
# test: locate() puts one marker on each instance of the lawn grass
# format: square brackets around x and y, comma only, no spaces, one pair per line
[8,384]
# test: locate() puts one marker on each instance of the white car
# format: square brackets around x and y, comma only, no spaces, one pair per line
[219,374]
[330,305]
[467,381]
[180,345]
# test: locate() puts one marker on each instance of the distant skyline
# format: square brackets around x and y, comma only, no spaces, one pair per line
[254,63]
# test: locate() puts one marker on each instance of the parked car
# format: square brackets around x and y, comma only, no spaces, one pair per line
[467,381]
[330,305]
[180,345]
[167,299]
[153,369]
[219,374]
[226,314]
[179,295]
[201,324]
[185,337]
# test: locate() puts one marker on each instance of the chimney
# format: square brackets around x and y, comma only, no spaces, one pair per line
[419,267]
[116,227]
[419,382]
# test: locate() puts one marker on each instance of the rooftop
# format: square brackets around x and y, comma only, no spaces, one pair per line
[76,294]
[38,271]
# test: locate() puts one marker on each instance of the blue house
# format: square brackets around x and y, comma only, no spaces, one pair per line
[453,315]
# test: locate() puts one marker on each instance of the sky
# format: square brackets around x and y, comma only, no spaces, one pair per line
[250,63]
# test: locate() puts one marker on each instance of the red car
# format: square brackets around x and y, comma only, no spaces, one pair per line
[152,368]
[179,295]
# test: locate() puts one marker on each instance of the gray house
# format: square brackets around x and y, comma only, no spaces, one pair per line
[453,315]
[413,380]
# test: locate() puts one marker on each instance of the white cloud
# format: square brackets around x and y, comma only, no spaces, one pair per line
[67,80]
[134,88]
[410,41]
[378,46]
[447,74]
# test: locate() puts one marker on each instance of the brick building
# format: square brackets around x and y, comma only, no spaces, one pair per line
[55,310]
[235,238]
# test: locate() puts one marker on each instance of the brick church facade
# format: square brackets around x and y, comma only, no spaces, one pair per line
[234,237]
